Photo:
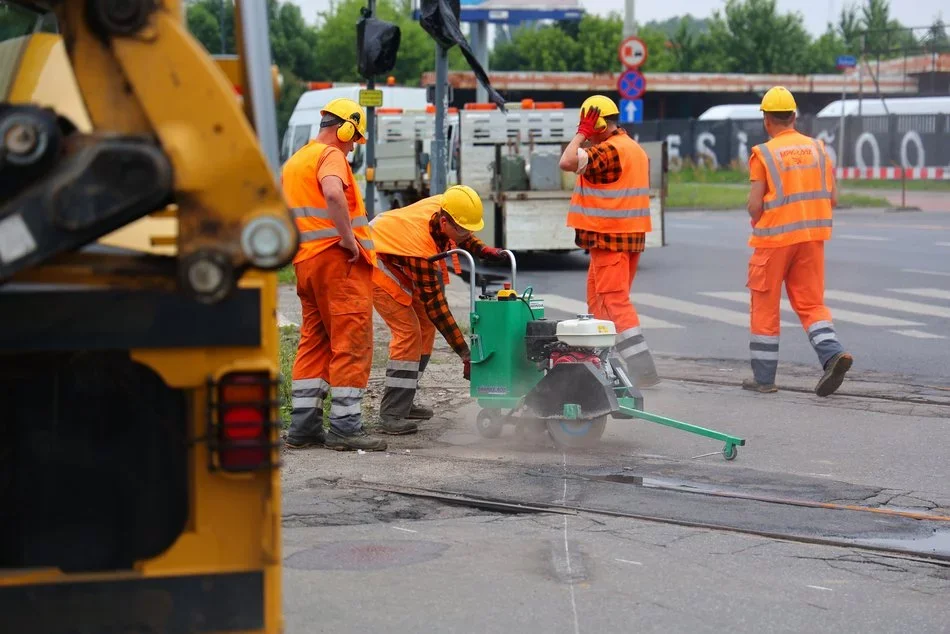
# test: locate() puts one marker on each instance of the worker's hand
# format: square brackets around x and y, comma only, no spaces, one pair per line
[588,121]
[349,243]
[491,253]
[467,369]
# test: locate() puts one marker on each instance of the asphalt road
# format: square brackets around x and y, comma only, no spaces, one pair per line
[652,530]
[887,285]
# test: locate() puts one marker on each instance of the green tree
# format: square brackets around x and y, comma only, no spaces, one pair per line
[752,37]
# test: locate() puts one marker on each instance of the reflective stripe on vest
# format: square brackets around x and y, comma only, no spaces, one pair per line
[804,213]
[619,207]
[313,212]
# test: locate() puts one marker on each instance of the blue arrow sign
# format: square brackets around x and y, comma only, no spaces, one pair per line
[631,111]
[631,84]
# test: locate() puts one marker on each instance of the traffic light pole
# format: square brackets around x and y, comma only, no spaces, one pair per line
[371,142]
[440,162]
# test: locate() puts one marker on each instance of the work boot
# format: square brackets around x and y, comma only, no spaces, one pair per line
[397,426]
[420,412]
[351,442]
[300,442]
[835,370]
[761,388]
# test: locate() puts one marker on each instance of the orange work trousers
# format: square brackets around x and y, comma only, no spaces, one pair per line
[336,341]
[801,267]
[412,337]
[609,282]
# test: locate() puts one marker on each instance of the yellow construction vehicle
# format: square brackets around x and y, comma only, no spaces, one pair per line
[141,228]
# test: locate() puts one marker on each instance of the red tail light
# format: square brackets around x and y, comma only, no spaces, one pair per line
[241,435]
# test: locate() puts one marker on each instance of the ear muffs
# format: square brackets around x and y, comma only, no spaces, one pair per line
[346,132]
[601,124]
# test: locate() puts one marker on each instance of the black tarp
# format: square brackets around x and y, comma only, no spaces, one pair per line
[440,19]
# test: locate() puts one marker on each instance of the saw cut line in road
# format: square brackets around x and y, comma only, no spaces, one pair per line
[703,311]
[863,319]
[577,307]
[888,303]
[933,293]
[464,499]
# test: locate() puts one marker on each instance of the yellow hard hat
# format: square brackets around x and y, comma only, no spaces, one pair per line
[778,99]
[352,113]
[465,206]
[605,104]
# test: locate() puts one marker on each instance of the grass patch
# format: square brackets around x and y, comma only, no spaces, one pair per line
[287,275]
[692,173]
[698,174]
[723,196]
[289,338]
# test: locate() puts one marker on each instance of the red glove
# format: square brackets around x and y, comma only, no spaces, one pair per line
[588,121]
[491,253]
[467,369]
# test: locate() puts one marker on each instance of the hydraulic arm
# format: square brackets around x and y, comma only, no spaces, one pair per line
[168,137]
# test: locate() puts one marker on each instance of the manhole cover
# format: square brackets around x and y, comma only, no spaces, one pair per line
[365,555]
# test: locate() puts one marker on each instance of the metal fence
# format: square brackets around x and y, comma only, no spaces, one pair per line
[909,141]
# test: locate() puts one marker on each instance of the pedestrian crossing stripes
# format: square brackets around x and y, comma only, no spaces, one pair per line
[917,329]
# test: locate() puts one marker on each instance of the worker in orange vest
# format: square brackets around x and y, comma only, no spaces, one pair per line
[610,214]
[334,266]
[408,292]
[791,199]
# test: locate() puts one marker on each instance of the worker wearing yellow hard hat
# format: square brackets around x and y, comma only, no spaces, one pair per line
[347,118]
[408,292]
[791,198]
[610,214]
[334,266]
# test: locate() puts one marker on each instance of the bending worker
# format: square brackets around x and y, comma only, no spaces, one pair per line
[610,213]
[334,266]
[408,292]
[791,198]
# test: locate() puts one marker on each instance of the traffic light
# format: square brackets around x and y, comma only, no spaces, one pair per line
[377,43]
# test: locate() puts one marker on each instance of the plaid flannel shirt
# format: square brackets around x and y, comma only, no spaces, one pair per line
[603,167]
[427,279]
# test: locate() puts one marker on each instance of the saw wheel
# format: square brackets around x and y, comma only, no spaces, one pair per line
[576,434]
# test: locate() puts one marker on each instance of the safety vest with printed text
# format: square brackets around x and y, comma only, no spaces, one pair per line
[797,203]
[405,232]
[309,207]
[619,207]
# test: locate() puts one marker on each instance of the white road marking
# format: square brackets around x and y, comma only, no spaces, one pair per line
[943,244]
[688,225]
[405,530]
[890,304]
[849,236]
[934,293]
[918,334]
[731,317]
[821,588]
[567,551]
[837,314]
[576,307]
[627,561]
[922,272]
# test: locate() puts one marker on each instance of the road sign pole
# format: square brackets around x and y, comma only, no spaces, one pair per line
[371,142]
[629,26]
[439,161]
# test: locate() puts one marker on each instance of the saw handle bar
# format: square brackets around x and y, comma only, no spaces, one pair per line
[471,262]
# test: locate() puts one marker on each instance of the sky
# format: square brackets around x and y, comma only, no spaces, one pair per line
[817,12]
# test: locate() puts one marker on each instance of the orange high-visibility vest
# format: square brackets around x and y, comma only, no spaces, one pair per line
[405,232]
[619,207]
[797,204]
[311,213]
